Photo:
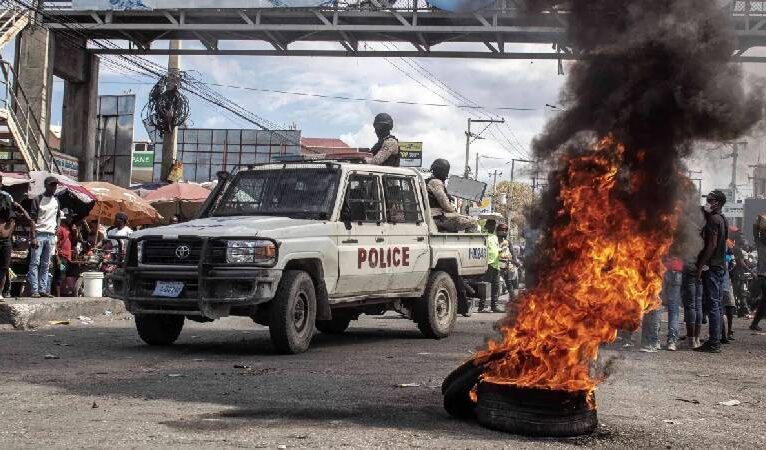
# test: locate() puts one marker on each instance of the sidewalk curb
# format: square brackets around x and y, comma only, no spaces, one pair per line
[26,313]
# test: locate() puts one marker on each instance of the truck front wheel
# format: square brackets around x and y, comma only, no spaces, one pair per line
[293,313]
[436,312]
[159,329]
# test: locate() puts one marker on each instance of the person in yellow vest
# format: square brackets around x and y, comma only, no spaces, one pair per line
[493,269]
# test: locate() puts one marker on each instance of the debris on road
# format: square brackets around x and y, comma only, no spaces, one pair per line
[175,375]
[85,320]
[242,366]
[669,422]
[730,403]
[95,406]
[51,357]
[409,385]
[686,400]
[58,322]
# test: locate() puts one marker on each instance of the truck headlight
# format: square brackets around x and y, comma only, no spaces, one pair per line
[250,252]
[140,251]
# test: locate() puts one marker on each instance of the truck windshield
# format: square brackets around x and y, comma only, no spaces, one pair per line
[298,193]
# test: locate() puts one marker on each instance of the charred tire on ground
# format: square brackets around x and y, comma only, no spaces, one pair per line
[436,312]
[159,329]
[534,412]
[293,313]
[337,325]
[456,390]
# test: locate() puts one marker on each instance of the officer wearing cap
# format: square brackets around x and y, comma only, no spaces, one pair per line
[386,151]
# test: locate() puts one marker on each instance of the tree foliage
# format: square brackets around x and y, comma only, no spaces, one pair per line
[519,197]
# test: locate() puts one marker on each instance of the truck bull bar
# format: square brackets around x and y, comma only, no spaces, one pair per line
[212,286]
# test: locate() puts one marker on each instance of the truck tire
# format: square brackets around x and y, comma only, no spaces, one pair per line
[293,313]
[159,329]
[337,325]
[436,312]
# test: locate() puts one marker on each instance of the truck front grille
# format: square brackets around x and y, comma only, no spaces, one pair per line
[172,252]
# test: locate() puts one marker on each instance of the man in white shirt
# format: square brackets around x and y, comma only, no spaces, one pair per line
[45,211]
[120,231]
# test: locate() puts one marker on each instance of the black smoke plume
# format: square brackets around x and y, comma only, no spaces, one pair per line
[658,76]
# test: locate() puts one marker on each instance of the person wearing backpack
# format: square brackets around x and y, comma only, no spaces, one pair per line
[45,210]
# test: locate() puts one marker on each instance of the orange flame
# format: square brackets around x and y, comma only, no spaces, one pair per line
[605,273]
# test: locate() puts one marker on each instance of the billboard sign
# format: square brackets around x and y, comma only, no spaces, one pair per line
[143,160]
[411,154]
[67,164]
[126,5]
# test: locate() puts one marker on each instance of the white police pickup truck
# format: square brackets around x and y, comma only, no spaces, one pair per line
[299,247]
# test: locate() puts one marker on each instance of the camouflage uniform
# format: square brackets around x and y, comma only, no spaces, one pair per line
[446,216]
[388,154]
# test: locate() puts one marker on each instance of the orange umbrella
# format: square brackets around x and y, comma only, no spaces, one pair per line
[113,199]
[178,191]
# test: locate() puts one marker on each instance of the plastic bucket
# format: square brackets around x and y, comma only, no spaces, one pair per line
[93,284]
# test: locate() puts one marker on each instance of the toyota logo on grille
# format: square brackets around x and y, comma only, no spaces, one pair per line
[183,251]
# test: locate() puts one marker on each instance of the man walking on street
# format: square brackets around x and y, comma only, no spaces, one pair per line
[508,262]
[711,267]
[45,212]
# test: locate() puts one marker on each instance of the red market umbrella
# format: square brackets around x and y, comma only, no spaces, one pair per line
[179,191]
[178,199]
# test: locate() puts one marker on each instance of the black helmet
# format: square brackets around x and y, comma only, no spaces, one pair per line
[383,120]
[440,169]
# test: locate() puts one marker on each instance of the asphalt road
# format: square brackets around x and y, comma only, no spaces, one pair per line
[107,389]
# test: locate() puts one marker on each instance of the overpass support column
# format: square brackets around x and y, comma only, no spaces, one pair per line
[34,66]
[79,117]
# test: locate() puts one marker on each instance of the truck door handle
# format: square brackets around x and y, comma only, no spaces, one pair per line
[350,241]
[421,239]
[379,240]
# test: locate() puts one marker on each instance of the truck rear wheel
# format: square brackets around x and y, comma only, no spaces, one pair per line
[337,325]
[436,312]
[159,329]
[293,313]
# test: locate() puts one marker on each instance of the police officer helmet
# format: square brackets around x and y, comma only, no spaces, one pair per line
[440,169]
[383,120]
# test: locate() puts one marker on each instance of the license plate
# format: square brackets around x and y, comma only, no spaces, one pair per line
[169,289]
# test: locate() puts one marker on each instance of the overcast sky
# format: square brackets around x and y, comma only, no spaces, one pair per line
[522,84]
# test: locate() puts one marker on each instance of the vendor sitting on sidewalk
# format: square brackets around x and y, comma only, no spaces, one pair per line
[118,233]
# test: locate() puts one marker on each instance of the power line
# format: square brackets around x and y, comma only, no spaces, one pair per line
[330,97]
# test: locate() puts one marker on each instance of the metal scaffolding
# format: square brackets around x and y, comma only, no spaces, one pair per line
[369,28]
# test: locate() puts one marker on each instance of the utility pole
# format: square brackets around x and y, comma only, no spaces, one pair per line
[734,155]
[690,173]
[478,158]
[495,174]
[469,135]
[170,138]
[513,165]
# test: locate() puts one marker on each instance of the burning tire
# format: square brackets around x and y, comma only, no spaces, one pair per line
[159,329]
[456,390]
[436,312]
[293,313]
[337,325]
[534,412]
